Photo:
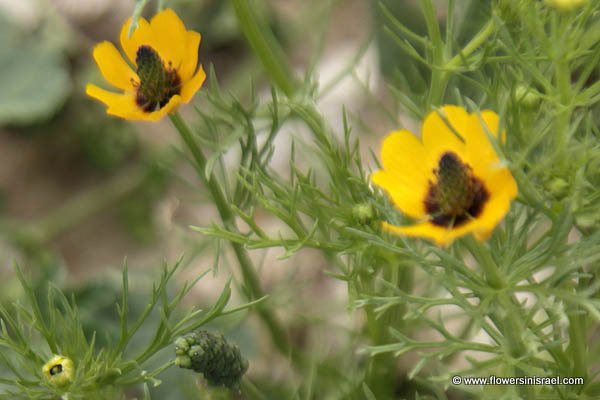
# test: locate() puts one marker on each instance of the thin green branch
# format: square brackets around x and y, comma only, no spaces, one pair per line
[251,281]
[265,45]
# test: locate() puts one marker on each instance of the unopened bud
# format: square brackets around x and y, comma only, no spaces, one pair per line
[566,5]
[59,371]
[363,213]
[527,96]
[558,187]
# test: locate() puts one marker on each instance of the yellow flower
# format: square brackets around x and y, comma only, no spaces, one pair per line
[451,181]
[162,71]
[566,5]
[59,371]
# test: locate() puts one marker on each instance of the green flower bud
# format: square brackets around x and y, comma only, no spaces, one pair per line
[59,371]
[558,187]
[566,5]
[526,96]
[363,213]
[220,362]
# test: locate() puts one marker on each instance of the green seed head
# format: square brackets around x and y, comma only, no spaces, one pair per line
[219,361]
[183,362]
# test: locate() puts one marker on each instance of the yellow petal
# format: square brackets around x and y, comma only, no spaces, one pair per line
[190,61]
[406,199]
[439,136]
[171,106]
[169,38]
[111,99]
[479,149]
[119,104]
[191,87]
[499,181]
[494,211]
[440,235]
[166,34]
[141,35]
[112,66]
[404,157]
[482,236]
[492,121]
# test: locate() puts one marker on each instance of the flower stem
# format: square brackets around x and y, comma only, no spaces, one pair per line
[577,342]
[512,328]
[480,38]
[563,75]
[563,85]
[508,322]
[439,76]
[486,262]
[252,284]
[442,70]
[265,45]
[251,389]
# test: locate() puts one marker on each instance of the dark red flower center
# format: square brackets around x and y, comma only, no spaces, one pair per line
[158,83]
[457,195]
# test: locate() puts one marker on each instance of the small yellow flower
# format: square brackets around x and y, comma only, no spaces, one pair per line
[451,181]
[59,371]
[162,71]
[566,5]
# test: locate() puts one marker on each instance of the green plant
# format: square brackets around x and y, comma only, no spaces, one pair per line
[518,300]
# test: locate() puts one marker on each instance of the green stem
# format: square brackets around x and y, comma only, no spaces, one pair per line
[479,39]
[505,318]
[486,262]
[563,85]
[577,342]
[252,284]
[265,45]
[250,390]
[442,70]
[382,373]
[439,75]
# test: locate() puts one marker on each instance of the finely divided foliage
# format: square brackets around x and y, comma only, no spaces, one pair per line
[469,250]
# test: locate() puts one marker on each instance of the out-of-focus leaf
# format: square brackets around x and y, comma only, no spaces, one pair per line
[33,77]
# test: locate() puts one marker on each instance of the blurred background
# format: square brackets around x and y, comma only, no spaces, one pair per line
[81,191]
[57,146]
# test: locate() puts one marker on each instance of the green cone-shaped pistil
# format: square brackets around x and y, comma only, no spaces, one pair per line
[157,83]
[457,195]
